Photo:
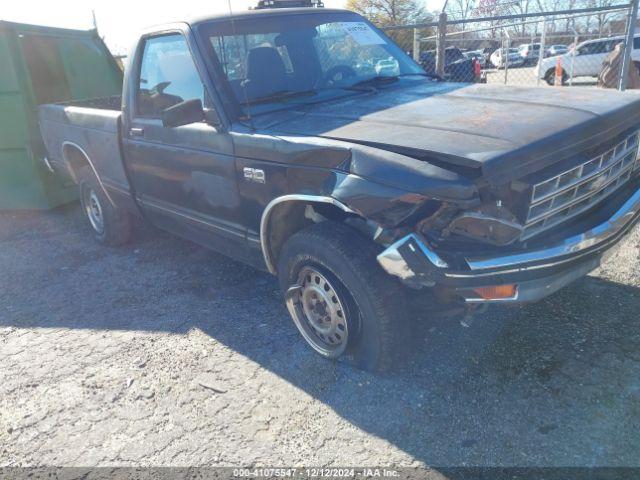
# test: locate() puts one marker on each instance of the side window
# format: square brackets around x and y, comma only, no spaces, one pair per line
[636,43]
[591,48]
[612,45]
[602,47]
[168,75]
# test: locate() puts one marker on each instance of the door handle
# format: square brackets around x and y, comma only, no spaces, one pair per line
[136,131]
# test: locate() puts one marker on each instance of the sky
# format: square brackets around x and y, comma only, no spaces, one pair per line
[119,21]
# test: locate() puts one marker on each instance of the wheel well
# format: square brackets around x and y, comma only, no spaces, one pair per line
[289,217]
[75,158]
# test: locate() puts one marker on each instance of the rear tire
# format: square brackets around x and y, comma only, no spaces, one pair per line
[340,299]
[550,77]
[110,225]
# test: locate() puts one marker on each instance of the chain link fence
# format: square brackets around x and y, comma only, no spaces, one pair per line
[560,48]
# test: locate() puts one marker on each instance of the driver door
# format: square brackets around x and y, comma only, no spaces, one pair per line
[184,177]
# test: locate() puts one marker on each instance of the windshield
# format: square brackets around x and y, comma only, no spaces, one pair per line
[268,60]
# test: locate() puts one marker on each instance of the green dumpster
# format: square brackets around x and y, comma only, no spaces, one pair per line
[43,65]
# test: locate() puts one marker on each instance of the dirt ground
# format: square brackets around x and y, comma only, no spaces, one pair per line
[163,353]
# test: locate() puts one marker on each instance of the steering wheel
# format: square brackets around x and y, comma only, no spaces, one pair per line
[335,75]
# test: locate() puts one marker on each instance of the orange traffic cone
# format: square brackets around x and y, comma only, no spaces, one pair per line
[477,69]
[558,80]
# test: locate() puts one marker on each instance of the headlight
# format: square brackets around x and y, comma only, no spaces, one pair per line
[498,227]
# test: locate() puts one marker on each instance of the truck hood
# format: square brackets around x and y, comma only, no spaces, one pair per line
[503,132]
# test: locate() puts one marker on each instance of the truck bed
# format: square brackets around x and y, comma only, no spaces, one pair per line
[86,131]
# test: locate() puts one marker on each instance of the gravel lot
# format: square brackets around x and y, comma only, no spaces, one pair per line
[525,76]
[162,353]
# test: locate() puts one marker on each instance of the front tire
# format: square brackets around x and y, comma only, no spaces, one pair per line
[550,77]
[110,225]
[340,299]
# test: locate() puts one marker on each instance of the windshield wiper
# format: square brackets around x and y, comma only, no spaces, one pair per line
[435,76]
[380,80]
[279,96]
[376,81]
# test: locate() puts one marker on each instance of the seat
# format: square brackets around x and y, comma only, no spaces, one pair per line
[266,72]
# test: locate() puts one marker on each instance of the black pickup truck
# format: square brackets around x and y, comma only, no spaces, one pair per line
[271,136]
[457,67]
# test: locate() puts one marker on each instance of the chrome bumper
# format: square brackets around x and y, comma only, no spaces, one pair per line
[398,258]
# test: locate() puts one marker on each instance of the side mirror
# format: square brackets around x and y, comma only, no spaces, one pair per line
[183,113]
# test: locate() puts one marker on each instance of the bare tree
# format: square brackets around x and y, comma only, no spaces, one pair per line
[460,9]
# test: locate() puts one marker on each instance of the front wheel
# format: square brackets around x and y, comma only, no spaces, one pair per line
[550,77]
[339,298]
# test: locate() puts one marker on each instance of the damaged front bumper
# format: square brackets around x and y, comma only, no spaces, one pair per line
[531,274]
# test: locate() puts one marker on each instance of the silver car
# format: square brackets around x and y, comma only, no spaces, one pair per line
[500,58]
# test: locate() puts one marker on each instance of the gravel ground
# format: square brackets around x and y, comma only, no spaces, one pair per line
[163,353]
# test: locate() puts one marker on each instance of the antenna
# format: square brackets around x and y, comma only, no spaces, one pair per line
[95,21]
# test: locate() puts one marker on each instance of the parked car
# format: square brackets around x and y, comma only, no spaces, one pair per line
[499,58]
[478,56]
[361,193]
[486,52]
[529,52]
[457,67]
[388,66]
[555,50]
[585,60]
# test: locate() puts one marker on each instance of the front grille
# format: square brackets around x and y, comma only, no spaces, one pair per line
[574,191]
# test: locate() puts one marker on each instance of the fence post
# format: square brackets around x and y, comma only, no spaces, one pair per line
[628,44]
[440,43]
[506,62]
[416,45]
[543,47]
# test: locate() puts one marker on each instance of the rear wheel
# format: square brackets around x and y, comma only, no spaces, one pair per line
[110,225]
[550,77]
[339,298]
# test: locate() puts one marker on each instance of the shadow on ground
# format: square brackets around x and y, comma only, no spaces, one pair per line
[554,383]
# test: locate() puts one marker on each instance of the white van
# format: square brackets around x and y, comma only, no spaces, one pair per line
[586,58]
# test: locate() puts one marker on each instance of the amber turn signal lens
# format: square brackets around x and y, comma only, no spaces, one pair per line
[496,292]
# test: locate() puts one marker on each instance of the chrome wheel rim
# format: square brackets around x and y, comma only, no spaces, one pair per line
[93,209]
[319,313]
